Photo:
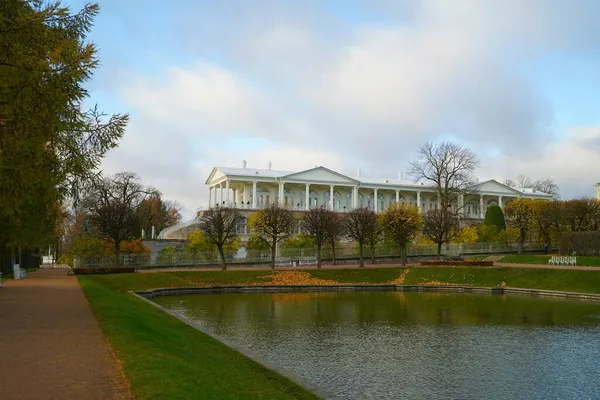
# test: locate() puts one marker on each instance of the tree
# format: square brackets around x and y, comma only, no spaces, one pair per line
[334,233]
[545,185]
[360,224]
[274,224]
[49,143]
[520,214]
[158,213]
[449,167]
[219,225]
[440,226]
[374,237]
[315,222]
[582,214]
[548,218]
[401,223]
[112,204]
[494,216]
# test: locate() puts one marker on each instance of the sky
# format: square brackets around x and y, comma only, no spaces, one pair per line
[349,84]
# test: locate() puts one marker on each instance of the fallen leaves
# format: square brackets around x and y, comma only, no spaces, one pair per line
[291,278]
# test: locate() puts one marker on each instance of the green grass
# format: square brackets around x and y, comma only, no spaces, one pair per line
[163,358]
[530,259]
[357,275]
[549,279]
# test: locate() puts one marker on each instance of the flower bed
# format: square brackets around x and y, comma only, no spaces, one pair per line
[102,270]
[469,263]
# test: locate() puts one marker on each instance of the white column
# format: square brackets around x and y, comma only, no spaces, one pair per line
[253,194]
[481,214]
[397,196]
[354,197]
[281,193]
[210,203]
[376,200]
[307,197]
[228,202]
[461,203]
[221,197]
[500,202]
[419,201]
[245,195]
[331,202]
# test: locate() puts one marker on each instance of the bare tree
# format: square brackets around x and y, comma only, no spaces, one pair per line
[335,232]
[360,225]
[441,226]
[112,204]
[544,185]
[449,167]
[317,223]
[219,226]
[274,224]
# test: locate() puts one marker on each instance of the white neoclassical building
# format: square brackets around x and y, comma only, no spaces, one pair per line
[251,188]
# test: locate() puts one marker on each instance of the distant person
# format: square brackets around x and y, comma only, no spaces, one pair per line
[546,248]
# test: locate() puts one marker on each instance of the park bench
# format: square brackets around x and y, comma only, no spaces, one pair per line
[284,261]
[562,260]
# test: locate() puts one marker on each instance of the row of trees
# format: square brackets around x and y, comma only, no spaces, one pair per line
[274,224]
[548,220]
[116,210]
[50,144]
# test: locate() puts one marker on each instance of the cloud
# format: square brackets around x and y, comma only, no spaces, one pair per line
[316,85]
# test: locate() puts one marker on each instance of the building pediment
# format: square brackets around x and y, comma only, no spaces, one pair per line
[320,175]
[494,187]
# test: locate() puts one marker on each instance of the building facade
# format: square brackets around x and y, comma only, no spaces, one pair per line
[249,188]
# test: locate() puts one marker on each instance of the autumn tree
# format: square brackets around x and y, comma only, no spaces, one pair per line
[548,217]
[274,224]
[400,224]
[582,215]
[49,143]
[112,204]
[317,223]
[520,214]
[158,213]
[440,226]
[219,225]
[360,225]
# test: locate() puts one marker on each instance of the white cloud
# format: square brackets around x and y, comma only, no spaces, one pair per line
[300,88]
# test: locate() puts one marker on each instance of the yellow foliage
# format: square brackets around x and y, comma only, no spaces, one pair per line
[468,234]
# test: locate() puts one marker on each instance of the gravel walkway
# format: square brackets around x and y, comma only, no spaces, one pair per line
[50,344]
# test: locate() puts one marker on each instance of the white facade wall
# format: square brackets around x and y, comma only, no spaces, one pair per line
[254,189]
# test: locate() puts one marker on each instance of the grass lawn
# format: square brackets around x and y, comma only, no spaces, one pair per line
[163,358]
[531,259]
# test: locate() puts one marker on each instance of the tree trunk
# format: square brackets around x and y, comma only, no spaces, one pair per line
[403,254]
[333,253]
[318,256]
[273,252]
[117,254]
[372,254]
[439,250]
[361,261]
[222,257]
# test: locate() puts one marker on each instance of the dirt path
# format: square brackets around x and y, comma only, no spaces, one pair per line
[50,344]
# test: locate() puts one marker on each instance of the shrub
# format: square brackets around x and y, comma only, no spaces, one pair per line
[495,217]
[472,263]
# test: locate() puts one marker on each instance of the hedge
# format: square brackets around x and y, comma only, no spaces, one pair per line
[103,270]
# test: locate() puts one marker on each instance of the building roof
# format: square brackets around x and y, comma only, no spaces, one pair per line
[365,180]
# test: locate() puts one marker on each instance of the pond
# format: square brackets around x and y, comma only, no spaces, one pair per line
[395,345]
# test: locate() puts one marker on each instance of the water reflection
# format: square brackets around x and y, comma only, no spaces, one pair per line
[370,345]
